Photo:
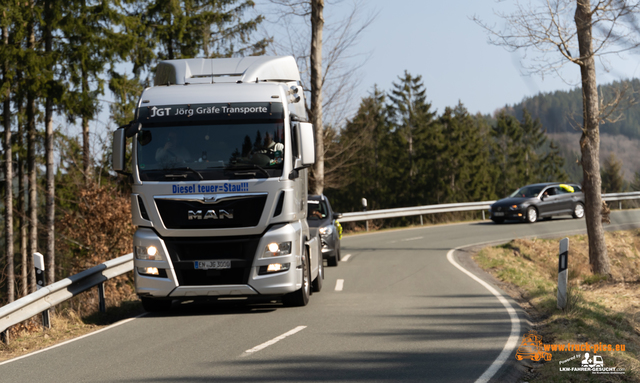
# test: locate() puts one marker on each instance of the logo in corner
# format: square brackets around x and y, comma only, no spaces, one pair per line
[532,348]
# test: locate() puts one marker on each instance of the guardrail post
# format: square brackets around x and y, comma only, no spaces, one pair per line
[563,265]
[421,224]
[483,215]
[38,263]
[619,205]
[4,336]
[364,208]
[103,306]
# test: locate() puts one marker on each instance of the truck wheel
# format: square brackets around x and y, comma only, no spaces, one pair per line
[317,283]
[301,297]
[156,305]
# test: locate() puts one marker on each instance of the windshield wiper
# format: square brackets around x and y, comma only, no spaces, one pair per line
[254,166]
[184,175]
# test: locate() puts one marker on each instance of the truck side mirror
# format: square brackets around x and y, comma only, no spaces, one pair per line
[119,148]
[132,129]
[337,215]
[307,146]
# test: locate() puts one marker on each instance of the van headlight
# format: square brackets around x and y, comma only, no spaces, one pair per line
[275,249]
[324,231]
[149,253]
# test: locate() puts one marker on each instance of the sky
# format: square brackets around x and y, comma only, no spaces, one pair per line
[438,40]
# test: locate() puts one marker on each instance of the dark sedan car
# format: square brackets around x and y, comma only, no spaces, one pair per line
[532,202]
[321,218]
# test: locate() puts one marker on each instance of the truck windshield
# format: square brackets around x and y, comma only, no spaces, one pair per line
[211,152]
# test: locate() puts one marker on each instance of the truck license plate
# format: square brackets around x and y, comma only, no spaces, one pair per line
[213,265]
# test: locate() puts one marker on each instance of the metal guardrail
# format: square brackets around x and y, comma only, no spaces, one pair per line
[58,292]
[451,207]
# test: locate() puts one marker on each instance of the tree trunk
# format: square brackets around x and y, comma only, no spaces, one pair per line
[317,24]
[31,166]
[590,142]
[8,176]
[50,186]
[22,214]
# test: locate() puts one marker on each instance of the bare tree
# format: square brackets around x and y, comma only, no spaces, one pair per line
[8,172]
[328,67]
[567,31]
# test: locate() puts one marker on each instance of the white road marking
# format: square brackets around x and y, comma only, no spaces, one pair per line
[514,337]
[273,341]
[346,258]
[339,284]
[72,340]
[411,239]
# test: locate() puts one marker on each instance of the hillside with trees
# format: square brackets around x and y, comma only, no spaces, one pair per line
[401,153]
[561,111]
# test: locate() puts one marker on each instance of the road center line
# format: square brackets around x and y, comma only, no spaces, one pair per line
[273,341]
[346,258]
[411,239]
[514,337]
[339,284]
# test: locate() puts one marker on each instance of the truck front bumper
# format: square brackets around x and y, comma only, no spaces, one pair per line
[178,278]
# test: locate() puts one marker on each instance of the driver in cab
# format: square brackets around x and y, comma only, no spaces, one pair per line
[173,151]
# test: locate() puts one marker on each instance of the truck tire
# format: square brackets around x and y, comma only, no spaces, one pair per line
[156,305]
[317,283]
[301,297]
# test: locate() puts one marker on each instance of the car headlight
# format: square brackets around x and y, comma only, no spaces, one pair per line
[327,230]
[147,253]
[514,207]
[274,249]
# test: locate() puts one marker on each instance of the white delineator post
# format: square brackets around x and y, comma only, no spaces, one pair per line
[38,263]
[563,265]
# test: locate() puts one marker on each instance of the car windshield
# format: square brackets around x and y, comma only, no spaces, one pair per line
[211,151]
[527,192]
[316,210]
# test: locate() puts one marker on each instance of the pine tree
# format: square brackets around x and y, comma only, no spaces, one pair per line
[416,138]
[508,155]
[360,154]
[466,155]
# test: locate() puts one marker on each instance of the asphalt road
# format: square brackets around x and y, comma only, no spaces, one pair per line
[395,310]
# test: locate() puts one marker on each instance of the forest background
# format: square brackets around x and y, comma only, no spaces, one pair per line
[60,196]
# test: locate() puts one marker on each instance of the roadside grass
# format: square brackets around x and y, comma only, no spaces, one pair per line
[600,310]
[29,336]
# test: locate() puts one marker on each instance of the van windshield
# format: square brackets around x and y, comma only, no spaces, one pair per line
[211,152]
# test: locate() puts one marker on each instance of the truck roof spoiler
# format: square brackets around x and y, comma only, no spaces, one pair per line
[241,69]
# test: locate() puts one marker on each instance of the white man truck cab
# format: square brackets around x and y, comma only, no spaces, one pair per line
[220,154]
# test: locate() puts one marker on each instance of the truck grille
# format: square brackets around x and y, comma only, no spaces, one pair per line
[184,251]
[244,212]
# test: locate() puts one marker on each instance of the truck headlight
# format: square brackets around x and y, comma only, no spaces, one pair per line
[147,253]
[324,231]
[274,249]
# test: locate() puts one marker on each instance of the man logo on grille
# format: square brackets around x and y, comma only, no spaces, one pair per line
[210,214]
